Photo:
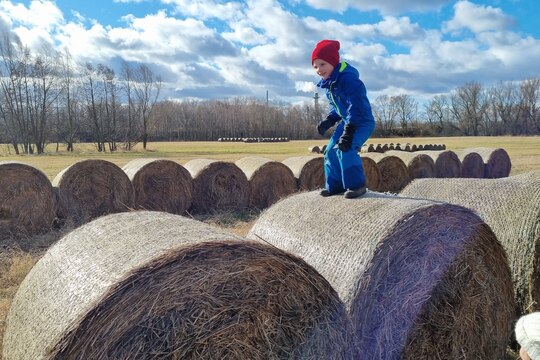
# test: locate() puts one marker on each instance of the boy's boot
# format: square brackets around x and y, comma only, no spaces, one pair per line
[354,193]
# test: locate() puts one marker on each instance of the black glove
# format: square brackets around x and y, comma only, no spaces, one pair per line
[345,141]
[327,123]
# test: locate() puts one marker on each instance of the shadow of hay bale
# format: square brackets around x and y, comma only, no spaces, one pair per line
[27,201]
[217,185]
[160,185]
[496,160]
[269,180]
[418,165]
[92,188]
[447,163]
[511,207]
[137,284]
[421,280]
[308,171]
[394,172]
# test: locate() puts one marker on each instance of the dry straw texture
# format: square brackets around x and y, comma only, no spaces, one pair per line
[160,184]
[418,165]
[497,161]
[447,163]
[372,173]
[217,185]
[472,165]
[422,280]
[27,200]
[269,180]
[149,285]
[308,171]
[394,172]
[511,207]
[92,188]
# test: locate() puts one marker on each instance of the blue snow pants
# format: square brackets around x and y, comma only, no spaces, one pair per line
[343,169]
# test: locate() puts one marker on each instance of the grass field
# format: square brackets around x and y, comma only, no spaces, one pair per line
[15,263]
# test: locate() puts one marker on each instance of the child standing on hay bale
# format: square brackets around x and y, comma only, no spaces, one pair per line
[528,336]
[350,109]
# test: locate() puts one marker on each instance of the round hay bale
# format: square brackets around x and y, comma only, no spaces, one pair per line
[394,172]
[472,165]
[269,180]
[418,165]
[92,188]
[314,149]
[497,161]
[308,171]
[160,184]
[149,285]
[372,173]
[421,280]
[385,148]
[27,200]
[323,148]
[217,186]
[379,148]
[371,148]
[511,207]
[414,147]
[447,163]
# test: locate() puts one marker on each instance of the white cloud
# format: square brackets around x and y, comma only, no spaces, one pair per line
[385,7]
[477,18]
[40,14]
[206,9]
[305,86]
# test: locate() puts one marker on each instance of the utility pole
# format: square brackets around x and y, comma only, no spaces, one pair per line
[316,98]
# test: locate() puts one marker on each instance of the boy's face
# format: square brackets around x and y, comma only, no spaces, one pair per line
[322,68]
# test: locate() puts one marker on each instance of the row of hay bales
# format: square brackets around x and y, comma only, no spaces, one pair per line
[252,140]
[381,148]
[31,204]
[396,169]
[379,277]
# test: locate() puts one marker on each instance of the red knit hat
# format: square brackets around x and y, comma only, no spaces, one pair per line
[327,50]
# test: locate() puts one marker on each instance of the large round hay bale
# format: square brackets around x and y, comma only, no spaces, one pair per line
[394,172]
[150,285]
[472,165]
[27,200]
[308,171]
[92,188]
[418,165]
[421,280]
[269,180]
[160,184]
[314,149]
[217,185]
[497,161]
[447,163]
[511,207]
[372,173]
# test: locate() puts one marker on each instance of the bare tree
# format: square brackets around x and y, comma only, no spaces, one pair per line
[385,113]
[437,111]
[147,88]
[93,94]
[529,105]
[500,116]
[468,105]
[406,112]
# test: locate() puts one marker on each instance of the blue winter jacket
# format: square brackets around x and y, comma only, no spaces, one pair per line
[347,96]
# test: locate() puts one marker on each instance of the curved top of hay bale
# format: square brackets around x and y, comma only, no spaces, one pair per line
[372,173]
[472,165]
[314,149]
[27,201]
[269,180]
[394,172]
[402,273]
[137,284]
[160,184]
[511,207]
[308,170]
[217,185]
[92,188]
[497,161]
[447,163]
[418,165]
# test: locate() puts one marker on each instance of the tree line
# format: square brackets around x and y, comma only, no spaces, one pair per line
[47,98]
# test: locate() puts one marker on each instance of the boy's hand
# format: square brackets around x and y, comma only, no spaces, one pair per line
[345,141]
[326,124]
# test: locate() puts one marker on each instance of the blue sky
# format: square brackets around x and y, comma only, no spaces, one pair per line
[208,49]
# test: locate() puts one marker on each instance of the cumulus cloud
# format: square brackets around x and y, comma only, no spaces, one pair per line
[385,7]
[477,18]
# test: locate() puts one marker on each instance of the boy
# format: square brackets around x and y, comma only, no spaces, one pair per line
[350,108]
[528,336]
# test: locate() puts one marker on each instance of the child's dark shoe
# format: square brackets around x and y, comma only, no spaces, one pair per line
[327,193]
[354,193]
